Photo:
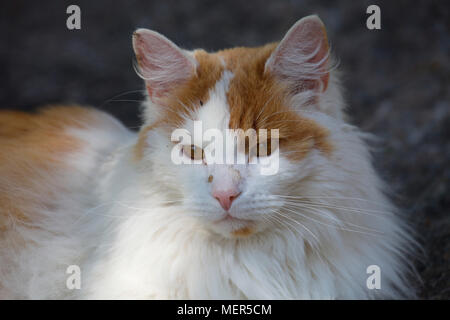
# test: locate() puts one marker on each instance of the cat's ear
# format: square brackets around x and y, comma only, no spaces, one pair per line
[302,56]
[161,63]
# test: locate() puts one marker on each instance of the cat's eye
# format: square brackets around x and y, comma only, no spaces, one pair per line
[194,152]
[201,102]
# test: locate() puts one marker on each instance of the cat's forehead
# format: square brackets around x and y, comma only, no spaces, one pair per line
[234,79]
[231,89]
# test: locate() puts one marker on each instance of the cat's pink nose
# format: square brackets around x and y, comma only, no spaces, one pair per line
[226,197]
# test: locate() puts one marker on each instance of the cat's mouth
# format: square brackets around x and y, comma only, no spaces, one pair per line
[230,218]
[236,227]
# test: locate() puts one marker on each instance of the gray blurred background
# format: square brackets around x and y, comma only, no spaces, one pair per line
[397,79]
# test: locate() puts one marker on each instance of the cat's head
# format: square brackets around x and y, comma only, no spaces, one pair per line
[193,95]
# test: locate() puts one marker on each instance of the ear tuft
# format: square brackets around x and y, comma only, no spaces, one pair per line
[302,56]
[161,63]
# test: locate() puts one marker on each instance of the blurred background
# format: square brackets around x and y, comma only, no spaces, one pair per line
[397,79]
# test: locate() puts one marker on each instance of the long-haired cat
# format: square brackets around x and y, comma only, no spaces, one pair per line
[79,189]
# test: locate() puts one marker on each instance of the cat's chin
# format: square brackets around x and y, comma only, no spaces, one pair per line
[233,227]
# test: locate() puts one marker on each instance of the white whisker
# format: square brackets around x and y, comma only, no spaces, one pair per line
[299,223]
[322,214]
[334,226]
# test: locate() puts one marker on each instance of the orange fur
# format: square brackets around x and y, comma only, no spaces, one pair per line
[33,145]
[243,232]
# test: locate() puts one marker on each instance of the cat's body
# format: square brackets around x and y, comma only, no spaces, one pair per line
[77,188]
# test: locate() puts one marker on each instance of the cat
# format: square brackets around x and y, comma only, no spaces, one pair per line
[77,188]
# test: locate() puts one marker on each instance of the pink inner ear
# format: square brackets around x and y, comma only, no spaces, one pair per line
[161,63]
[319,33]
[303,54]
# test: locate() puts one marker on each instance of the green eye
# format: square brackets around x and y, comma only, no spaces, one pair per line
[194,152]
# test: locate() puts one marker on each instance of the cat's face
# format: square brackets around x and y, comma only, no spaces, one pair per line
[234,184]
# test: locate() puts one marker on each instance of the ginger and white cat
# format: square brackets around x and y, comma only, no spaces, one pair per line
[78,188]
